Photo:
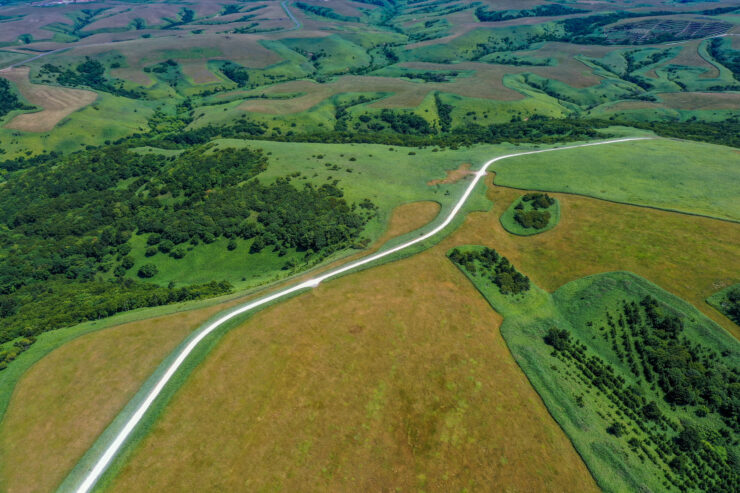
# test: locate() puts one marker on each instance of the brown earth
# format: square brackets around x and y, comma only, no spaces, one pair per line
[454,175]
[57,102]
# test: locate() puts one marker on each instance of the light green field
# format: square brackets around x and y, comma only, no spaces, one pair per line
[512,226]
[676,175]
[386,175]
[91,125]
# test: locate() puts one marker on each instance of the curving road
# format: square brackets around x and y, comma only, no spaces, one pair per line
[292,17]
[92,475]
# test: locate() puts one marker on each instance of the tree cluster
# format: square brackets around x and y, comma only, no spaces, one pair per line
[534,217]
[9,100]
[485,15]
[88,73]
[488,263]
[236,73]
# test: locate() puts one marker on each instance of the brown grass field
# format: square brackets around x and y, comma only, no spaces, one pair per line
[57,102]
[395,378]
[487,82]
[701,100]
[690,56]
[690,256]
[192,51]
[51,422]
[340,398]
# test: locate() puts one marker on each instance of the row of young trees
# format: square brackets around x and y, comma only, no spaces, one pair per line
[488,263]
[648,341]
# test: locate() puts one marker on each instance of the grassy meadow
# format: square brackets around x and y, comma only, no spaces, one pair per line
[348,386]
[593,236]
[402,376]
[675,175]
[388,176]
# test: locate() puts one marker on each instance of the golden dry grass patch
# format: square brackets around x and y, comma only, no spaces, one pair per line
[57,102]
[685,255]
[690,56]
[392,378]
[63,403]
[701,100]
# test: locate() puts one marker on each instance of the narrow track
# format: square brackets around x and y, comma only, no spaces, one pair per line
[93,474]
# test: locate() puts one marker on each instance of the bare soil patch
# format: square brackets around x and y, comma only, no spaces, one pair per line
[57,102]
[701,100]
[453,175]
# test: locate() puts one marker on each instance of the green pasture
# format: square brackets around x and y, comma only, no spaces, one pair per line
[487,111]
[332,54]
[512,226]
[90,125]
[9,57]
[683,176]
[478,43]
[388,176]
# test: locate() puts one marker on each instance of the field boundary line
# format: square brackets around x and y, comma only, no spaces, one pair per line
[93,472]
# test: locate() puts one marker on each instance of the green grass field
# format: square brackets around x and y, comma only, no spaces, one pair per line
[632,460]
[386,175]
[511,225]
[676,175]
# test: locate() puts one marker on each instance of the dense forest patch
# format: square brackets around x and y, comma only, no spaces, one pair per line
[530,214]
[488,264]
[73,228]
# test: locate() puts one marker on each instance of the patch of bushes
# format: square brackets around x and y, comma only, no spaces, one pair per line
[487,263]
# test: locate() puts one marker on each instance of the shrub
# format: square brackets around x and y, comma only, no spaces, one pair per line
[148,270]
[178,253]
[166,246]
[616,428]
